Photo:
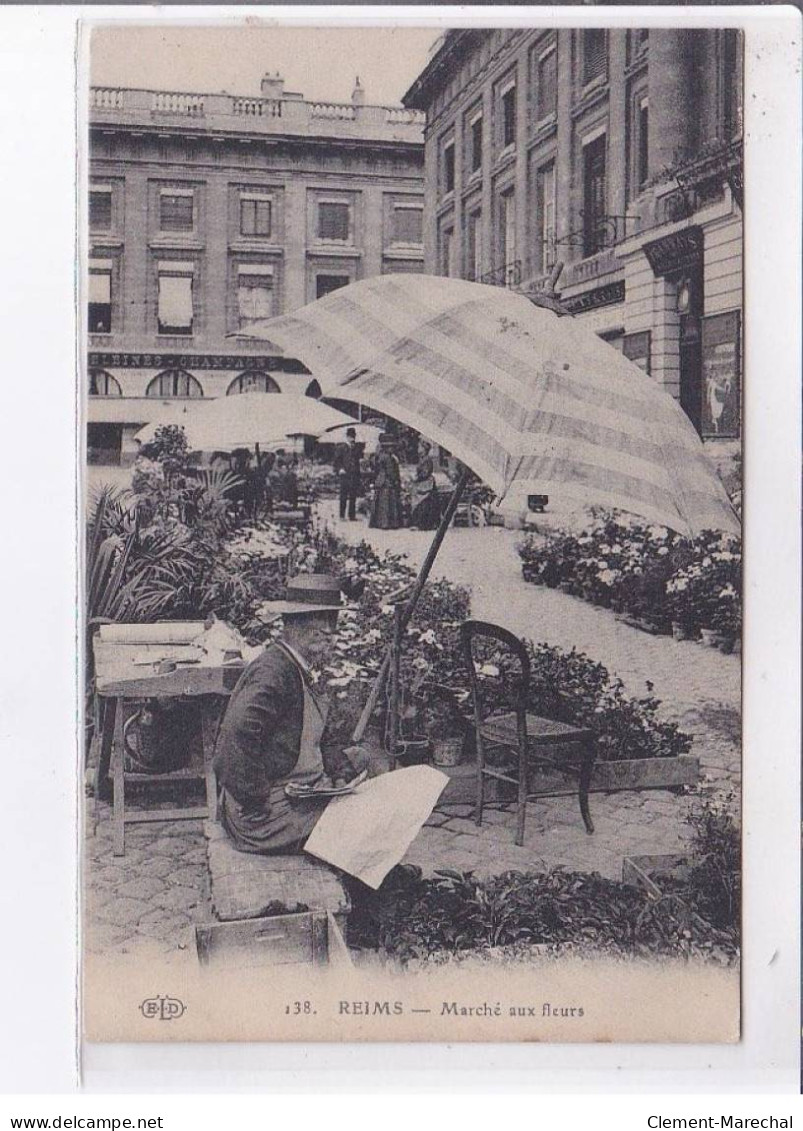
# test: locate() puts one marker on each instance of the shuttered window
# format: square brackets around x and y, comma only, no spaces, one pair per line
[595,61]
[325,284]
[174,383]
[448,167]
[547,85]
[176,211]
[476,144]
[254,296]
[255,216]
[99,314]
[408,224]
[334,221]
[509,117]
[102,384]
[175,305]
[252,383]
[100,209]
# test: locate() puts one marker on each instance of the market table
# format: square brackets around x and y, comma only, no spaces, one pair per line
[133,663]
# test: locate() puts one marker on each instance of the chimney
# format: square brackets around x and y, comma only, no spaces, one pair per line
[358,94]
[272,86]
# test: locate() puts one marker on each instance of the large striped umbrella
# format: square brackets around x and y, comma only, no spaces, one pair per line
[531,401]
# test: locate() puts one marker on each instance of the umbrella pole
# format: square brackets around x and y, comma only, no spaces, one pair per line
[406,615]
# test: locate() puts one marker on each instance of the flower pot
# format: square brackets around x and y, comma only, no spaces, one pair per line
[711,637]
[416,751]
[447,751]
[681,631]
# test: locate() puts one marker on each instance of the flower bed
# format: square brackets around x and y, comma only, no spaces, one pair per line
[456,913]
[650,573]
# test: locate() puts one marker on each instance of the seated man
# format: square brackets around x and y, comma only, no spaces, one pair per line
[272,731]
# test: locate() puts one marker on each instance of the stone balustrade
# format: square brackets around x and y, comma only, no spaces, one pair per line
[292,113]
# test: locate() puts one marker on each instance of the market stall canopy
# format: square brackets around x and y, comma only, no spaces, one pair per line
[227,423]
[532,402]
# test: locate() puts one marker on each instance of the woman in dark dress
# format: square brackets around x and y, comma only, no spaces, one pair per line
[386,513]
[425,501]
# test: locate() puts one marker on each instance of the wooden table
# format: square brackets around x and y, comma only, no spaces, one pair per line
[117,679]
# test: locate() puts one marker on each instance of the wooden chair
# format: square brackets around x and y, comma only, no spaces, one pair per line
[533,739]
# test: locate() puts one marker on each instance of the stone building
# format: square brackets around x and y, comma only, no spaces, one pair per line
[615,153]
[210,211]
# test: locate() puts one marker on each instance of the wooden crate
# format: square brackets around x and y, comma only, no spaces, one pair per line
[310,938]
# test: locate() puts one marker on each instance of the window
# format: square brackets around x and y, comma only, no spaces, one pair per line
[595,62]
[509,116]
[636,347]
[252,383]
[546,91]
[175,303]
[100,208]
[731,83]
[176,210]
[475,129]
[325,284]
[642,142]
[255,215]
[100,296]
[507,237]
[448,167]
[594,191]
[546,217]
[447,252]
[334,221]
[408,224]
[254,295]
[174,383]
[102,384]
[474,246]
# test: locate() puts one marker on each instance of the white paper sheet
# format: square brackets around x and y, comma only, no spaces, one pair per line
[368,832]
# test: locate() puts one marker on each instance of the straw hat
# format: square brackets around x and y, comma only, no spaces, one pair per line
[306,593]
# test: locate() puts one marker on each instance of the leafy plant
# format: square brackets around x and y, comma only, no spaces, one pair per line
[456,912]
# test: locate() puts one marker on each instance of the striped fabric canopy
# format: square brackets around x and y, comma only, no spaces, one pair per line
[530,401]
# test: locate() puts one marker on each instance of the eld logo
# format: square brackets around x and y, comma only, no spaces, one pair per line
[162,1008]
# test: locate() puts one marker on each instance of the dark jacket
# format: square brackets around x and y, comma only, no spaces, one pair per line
[347,459]
[260,737]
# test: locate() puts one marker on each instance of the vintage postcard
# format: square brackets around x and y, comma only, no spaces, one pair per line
[412,399]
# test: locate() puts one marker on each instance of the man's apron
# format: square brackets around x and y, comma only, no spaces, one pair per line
[282,824]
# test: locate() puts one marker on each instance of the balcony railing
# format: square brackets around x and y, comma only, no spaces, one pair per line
[505,275]
[600,233]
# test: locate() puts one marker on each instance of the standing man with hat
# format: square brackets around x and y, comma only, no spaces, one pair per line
[349,472]
[273,731]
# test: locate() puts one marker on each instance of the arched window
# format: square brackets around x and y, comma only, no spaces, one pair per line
[174,383]
[313,390]
[253,383]
[102,384]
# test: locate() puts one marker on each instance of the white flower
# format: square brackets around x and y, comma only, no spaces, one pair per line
[386,610]
[427,637]
[657,532]
[607,576]
[663,550]
[490,670]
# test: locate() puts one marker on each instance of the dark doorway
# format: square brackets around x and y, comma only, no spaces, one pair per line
[104,443]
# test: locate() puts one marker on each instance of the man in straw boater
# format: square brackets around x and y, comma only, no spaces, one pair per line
[278,774]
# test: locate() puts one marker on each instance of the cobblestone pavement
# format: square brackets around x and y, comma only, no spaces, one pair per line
[149,899]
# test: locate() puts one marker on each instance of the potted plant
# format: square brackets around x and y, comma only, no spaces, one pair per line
[444,724]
